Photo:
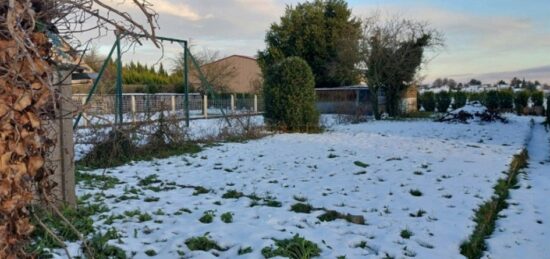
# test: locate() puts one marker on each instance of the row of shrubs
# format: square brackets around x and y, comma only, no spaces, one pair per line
[498,101]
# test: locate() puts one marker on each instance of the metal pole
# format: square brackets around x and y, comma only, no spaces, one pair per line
[96,83]
[186,82]
[119,112]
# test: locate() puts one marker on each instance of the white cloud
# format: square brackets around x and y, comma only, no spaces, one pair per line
[178,9]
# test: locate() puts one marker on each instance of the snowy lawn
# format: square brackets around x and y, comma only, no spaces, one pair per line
[523,231]
[415,184]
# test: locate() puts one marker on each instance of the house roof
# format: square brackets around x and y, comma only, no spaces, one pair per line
[232,56]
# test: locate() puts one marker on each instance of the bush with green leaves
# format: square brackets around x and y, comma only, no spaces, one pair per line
[492,100]
[506,100]
[537,97]
[480,97]
[289,92]
[460,99]
[443,100]
[521,99]
[428,101]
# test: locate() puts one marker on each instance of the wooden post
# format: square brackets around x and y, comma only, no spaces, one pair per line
[205,106]
[133,104]
[232,103]
[62,157]
[255,103]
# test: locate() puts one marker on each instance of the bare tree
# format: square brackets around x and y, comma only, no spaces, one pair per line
[27,98]
[393,52]
[216,71]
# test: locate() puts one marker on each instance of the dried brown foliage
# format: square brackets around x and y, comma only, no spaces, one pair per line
[27,99]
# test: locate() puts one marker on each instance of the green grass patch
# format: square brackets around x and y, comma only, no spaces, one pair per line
[151,199]
[415,193]
[296,248]
[361,164]
[102,182]
[149,180]
[246,250]
[227,217]
[406,234]
[301,207]
[487,214]
[200,190]
[202,243]
[207,217]
[332,215]
[232,194]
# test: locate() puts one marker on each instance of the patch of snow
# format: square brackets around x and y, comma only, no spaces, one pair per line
[453,165]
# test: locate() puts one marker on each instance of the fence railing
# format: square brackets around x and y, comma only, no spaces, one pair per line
[136,106]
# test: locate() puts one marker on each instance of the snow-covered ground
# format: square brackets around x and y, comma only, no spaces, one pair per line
[417,176]
[523,231]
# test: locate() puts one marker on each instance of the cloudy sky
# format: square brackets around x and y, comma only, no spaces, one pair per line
[485,39]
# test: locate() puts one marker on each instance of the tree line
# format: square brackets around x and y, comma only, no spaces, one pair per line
[514,83]
[505,100]
[342,49]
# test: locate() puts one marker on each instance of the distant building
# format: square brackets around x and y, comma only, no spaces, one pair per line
[233,74]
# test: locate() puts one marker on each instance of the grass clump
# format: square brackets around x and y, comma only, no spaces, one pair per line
[200,190]
[100,247]
[102,182]
[227,217]
[151,252]
[207,217]
[149,180]
[151,199]
[273,203]
[332,215]
[232,194]
[301,207]
[246,250]
[361,164]
[299,198]
[406,234]
[144,217]
[296,248]
[202,243]
[415,193]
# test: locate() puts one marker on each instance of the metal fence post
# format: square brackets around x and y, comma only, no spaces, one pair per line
[255,103]
[232,103]
[118,97]
[205,106]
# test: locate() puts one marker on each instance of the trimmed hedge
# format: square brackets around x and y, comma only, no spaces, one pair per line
[492,100]
[428,101]
[460,99]
[443,100]
[289,94]
[521,99]
[506,100]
